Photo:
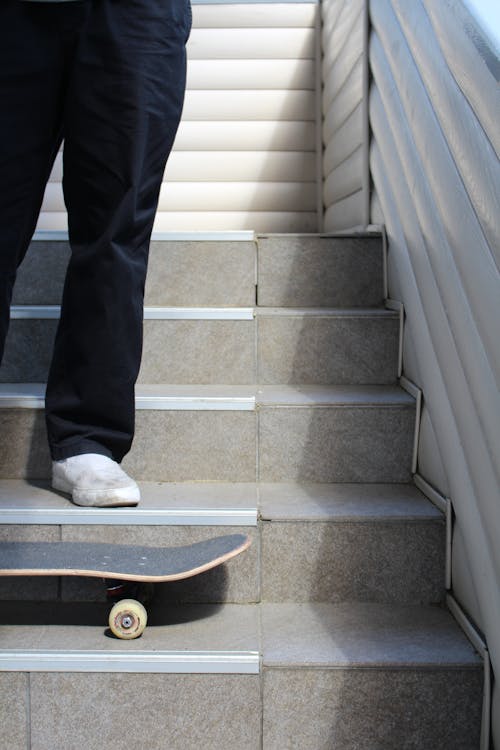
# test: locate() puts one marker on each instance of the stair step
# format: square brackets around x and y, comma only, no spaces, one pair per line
[232,345]
[197,513]
[190,664]
[172,504]
[303,433]
[325,542]
[359,665]
[377,678]
[290,270]
[379,543]
[181,272]
[309,270]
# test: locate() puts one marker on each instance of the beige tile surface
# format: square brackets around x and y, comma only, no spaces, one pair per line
[165,712]
[14,711]
[28,351]
[378,562]
[372,709]
[353,634]
[296,271]
[201,274]
[70,626]
[23,449]
[328,444]
[330,349]
[198,351]
[40,277]
[193,445]
[344,502]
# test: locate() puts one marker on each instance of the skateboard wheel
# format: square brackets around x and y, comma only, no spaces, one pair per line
[128,619]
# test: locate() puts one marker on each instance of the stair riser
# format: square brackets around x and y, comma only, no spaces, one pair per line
[346,350]
[47,711]
[342,444]
[372,709]
[322,444]
[370,561]
[237,581]
[296,271]
[179,273]
[290,271]
[307,561]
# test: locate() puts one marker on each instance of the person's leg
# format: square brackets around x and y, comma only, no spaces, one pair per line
[125,99]
[31,96]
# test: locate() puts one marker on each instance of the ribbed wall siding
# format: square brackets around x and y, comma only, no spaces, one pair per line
[436,172]
[344,113]
[245,153]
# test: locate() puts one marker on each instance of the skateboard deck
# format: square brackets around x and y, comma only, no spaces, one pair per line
[120,562]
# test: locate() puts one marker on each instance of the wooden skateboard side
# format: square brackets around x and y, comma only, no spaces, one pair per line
[118,561]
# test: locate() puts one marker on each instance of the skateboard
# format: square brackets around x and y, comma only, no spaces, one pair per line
[119,563]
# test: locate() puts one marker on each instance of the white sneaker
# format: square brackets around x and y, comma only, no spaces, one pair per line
[94,480]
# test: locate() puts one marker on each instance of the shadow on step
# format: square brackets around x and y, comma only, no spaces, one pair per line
[94,613]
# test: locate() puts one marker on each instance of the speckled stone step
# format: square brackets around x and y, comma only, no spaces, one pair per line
[191,663]
[238,433]
[287,270]
[180,272]
[350,542]
[232,345]
[312,271]
[168,515]
[375,677]
[314,542]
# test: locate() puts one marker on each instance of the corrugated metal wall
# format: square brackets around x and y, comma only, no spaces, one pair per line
[344,114]
[434,111]
[245,155]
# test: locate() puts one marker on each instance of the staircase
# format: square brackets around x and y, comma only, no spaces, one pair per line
[268,402]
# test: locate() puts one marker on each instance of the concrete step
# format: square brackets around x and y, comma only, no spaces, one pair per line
[314,271]
[225,269]
[232,345]
[238,433]
[168,515]
[314,542]
[183,270]
[375,677]
[350,542]
[191,681]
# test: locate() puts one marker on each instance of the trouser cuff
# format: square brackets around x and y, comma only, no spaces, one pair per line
[77,448]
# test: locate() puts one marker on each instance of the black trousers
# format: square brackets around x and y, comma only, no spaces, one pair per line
[108,77]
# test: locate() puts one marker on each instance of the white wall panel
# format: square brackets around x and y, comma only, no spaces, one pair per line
[245,154]
[433,109]
[252,15]
[345,213]
[250,74]
[349,98]
[342,144]
[247,136]
[343,180]
[344,114]
[250,105]
[252,44]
